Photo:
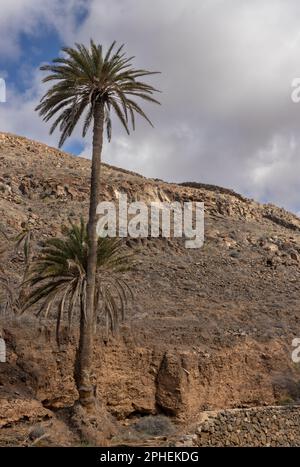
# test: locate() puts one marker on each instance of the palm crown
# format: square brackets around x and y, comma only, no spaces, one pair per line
[86,76]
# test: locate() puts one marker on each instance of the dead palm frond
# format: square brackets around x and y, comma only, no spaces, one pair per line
[57,278]
[8,301]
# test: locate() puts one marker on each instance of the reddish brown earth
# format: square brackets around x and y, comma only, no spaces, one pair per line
[209,328]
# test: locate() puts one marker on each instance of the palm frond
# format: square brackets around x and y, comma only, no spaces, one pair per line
[8,297]
[85,76]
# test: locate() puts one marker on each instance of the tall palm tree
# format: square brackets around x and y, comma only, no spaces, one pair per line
[57,279]
[92,84]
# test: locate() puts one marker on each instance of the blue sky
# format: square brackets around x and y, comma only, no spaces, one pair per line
[39,45]
[35,49]
[226,118]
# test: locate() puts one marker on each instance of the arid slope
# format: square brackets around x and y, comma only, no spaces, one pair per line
[209,328]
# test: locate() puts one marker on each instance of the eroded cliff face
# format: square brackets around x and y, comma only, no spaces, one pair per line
[209,328]
[133,380]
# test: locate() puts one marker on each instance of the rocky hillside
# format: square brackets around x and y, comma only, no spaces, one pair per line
[209,328]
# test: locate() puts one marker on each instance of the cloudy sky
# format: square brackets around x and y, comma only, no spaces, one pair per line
[227,66]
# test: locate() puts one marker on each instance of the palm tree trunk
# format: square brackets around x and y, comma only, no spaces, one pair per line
[86,340]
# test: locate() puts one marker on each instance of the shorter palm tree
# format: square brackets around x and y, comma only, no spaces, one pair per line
[58,281]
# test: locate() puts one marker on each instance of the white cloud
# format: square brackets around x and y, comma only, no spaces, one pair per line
[227,68]
[29,16]
[227,72]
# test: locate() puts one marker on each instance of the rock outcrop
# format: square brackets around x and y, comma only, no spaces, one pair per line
[209,329]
